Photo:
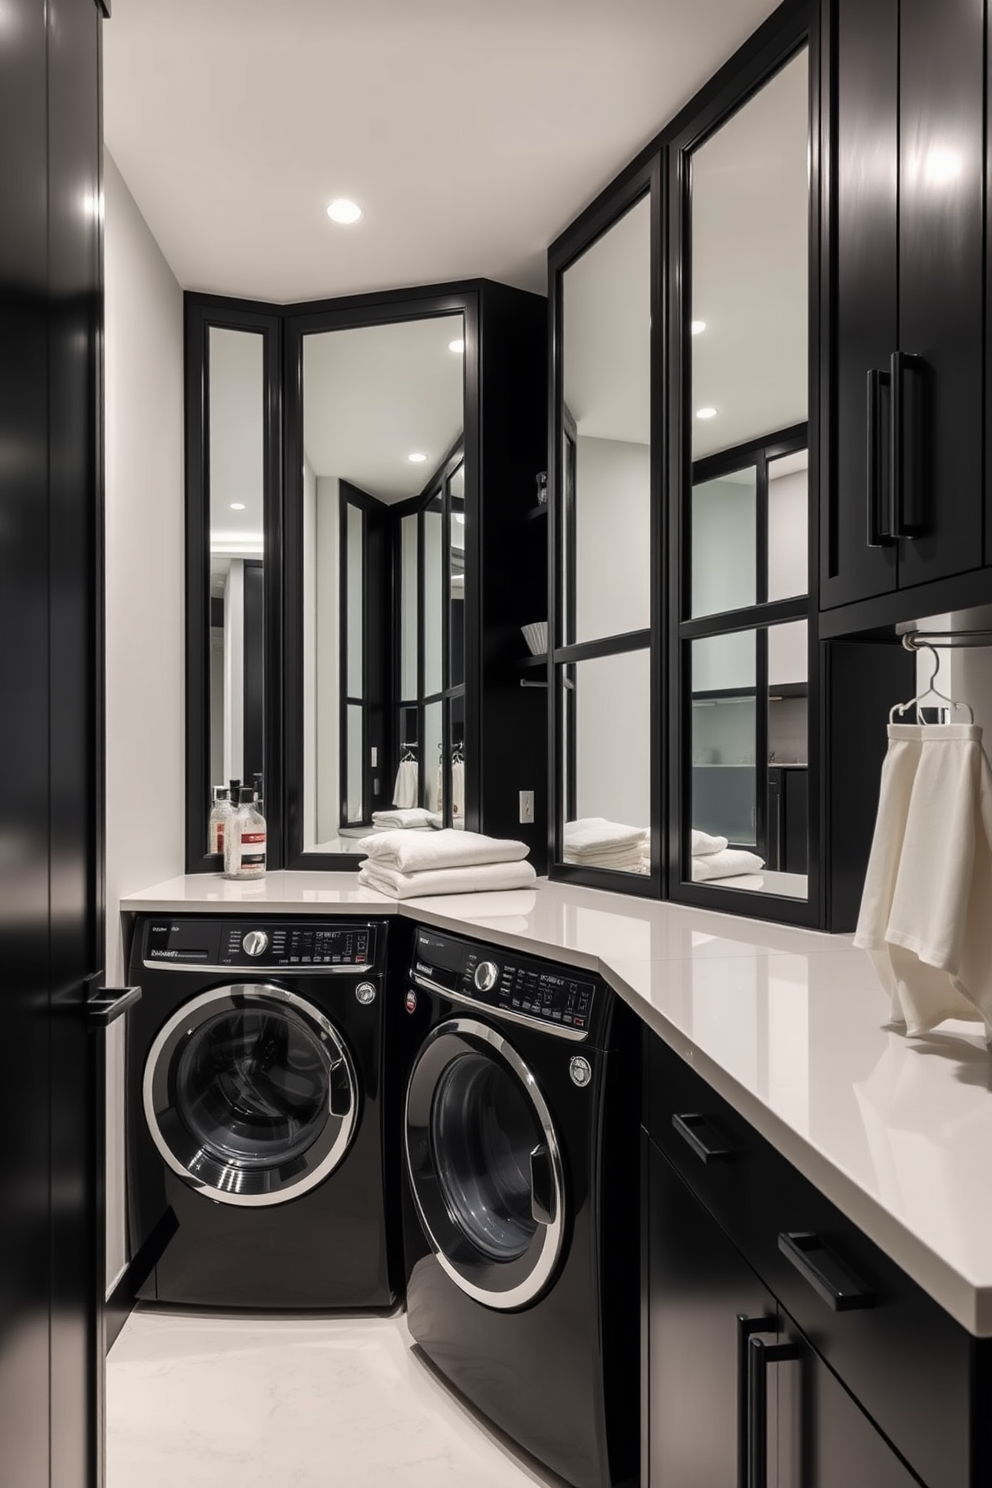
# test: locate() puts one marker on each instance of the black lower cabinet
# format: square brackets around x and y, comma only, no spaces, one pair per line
[735,1396]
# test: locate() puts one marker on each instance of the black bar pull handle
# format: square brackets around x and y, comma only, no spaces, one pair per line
[828,1276]
[907,377]
[878,473]
[760,1355]
[105,1005]
[704,1140]
[746,1328]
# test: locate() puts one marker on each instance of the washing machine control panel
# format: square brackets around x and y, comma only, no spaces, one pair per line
[557,996]
[293,945]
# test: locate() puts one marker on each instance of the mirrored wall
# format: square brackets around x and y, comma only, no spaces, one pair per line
[604,697]
[743,670]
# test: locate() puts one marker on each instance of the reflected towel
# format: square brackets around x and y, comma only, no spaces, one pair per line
[475,879]
[406,785]
[409,852]
[590,835]
[703,845]
[926,910]
[726,864]
[414,816]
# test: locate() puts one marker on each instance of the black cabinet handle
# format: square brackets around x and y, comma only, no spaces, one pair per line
[878,473]
[105,1005]
[907,376]
[746,1328]
[760,1355]
[705,1142]
[825,1273]
[542,1187]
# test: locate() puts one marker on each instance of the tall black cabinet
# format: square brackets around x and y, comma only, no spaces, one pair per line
[50,746]
[904,494]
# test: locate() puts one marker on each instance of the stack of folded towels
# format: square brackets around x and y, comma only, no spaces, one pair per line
[407,865]
[712,858]
[596,842]
[407,819]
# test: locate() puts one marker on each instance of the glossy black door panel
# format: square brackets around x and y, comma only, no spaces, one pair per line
[23,747]
[942,78]
[864,190]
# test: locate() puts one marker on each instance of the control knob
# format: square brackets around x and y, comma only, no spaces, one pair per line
[255,942]
[486,974]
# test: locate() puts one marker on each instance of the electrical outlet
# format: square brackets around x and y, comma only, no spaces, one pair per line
[526,806]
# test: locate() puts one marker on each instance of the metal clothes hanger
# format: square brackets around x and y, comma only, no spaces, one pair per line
[931,689]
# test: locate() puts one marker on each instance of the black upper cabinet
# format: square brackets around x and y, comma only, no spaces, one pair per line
[904,488]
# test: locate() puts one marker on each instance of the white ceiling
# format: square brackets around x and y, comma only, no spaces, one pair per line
[471,132]
[375,395]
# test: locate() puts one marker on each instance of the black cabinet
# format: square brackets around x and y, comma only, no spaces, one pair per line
[735,1393]
[903,500]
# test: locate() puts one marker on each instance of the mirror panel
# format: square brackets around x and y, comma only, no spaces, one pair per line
[373,397]
[788,525]
[236,475]
[607,768]
[606,388]
[456,578]
[724,542]
[433,761]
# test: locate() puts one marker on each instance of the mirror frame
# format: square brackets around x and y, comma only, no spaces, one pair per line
[786,34]
[202,313]
[643,180]
[352,313]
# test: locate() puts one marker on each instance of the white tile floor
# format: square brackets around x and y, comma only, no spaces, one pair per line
[223,1402]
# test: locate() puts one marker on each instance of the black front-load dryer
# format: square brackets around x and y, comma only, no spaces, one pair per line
[520,1200]
[257,1108]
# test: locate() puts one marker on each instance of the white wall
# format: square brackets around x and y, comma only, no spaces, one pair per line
[723,545]
[788,533]
[612,538]
[144,604]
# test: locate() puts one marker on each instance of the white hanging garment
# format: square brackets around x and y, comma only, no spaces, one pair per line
[458,788]
[405,788]
[926,910]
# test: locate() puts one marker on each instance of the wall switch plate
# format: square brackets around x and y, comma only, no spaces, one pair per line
[526,806]
[375,756]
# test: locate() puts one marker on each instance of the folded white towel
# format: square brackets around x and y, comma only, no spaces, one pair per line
[629,858]
[703,845]
[925,912]
[475,879]
[414,816]
[726,864]
[413,852]
[590,834]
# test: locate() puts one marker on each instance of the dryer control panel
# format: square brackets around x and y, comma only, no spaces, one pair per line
[560,997]
[243,944]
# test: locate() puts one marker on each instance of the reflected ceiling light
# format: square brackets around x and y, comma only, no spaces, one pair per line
[705,413]
[457,345]
[941,166]
[697,326]
[237,506]
[344,211]
[459,517]
[417,459]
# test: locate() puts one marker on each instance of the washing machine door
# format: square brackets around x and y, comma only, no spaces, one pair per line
[250,1094]
[484,1164]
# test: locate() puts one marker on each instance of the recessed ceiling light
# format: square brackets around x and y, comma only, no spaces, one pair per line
[417,459]
[457,345]
[697,326]
[343,210]
[705,413]
[237,506]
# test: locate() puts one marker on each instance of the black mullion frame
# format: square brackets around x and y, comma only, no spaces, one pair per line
[644,179]
[201,313]
[725,622]
[787,32]
[349,313]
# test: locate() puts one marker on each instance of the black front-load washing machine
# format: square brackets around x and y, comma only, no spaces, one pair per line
[257,1107]
[521,1200]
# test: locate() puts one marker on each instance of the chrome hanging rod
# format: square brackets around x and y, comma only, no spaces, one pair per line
[949,640]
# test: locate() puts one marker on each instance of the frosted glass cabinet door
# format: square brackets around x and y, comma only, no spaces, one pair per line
[607,393]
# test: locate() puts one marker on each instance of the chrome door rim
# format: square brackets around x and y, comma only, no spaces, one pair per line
[249,991]
[553,1234]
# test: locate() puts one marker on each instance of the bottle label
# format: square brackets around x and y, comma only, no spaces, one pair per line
[252,849]
[216,843]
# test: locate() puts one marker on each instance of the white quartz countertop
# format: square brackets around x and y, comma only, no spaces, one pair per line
[788,1025]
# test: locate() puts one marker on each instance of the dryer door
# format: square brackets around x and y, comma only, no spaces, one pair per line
[250,1094]
[484,1164]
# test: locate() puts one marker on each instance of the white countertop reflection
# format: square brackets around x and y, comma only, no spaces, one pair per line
[788,1025]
